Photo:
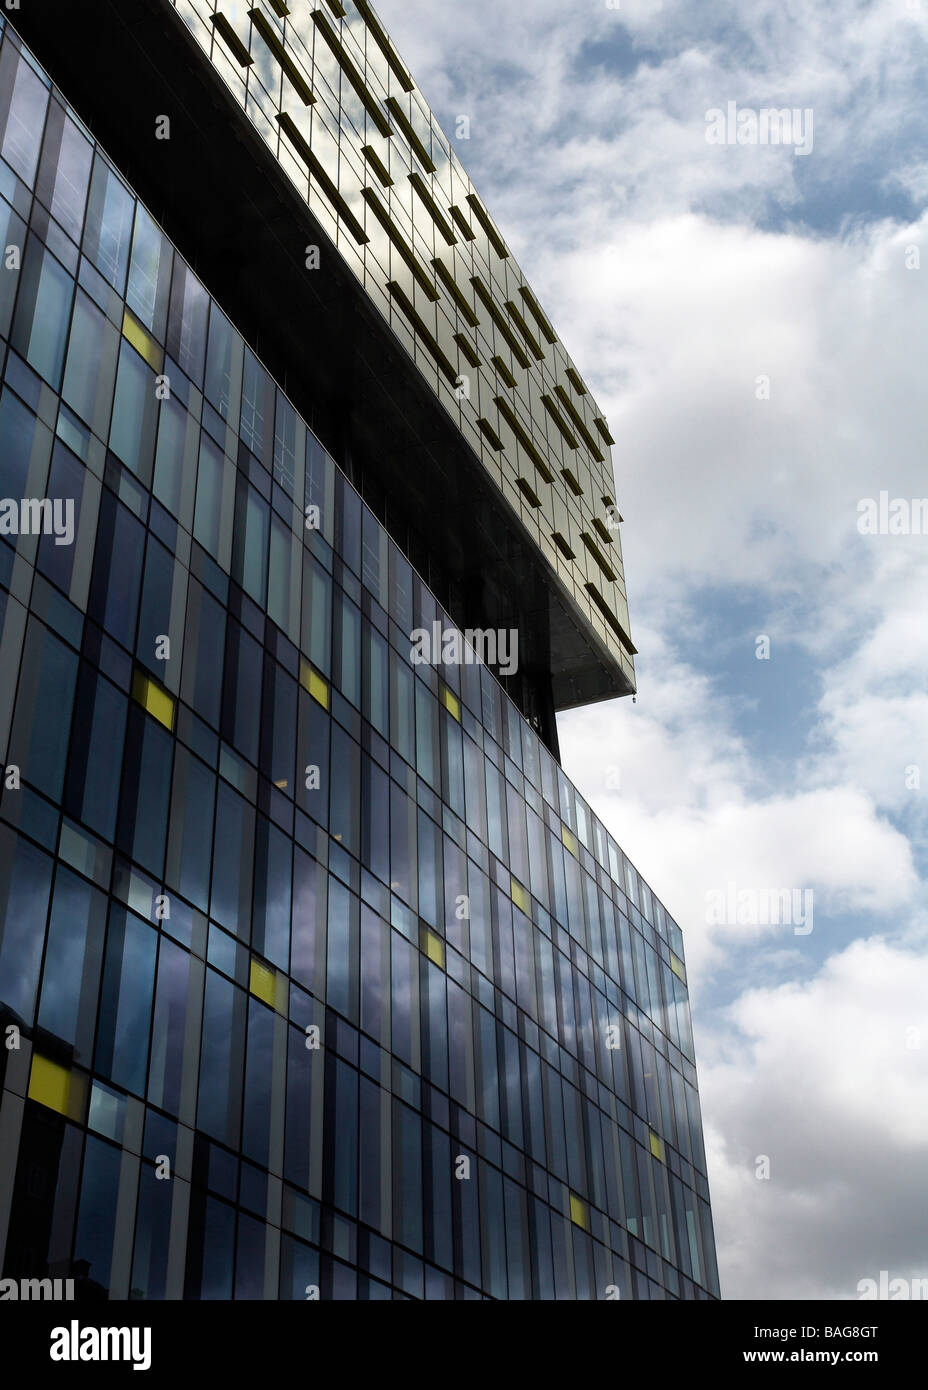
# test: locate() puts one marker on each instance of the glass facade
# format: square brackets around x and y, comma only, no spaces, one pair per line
[317,975]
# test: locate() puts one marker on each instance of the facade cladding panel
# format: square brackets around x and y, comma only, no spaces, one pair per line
[317,976]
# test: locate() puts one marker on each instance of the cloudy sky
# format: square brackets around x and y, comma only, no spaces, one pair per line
[752,321]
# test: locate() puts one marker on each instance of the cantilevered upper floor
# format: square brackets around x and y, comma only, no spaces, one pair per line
[492,448]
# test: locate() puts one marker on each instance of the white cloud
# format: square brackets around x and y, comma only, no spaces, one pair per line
[830,1080]
[684,799]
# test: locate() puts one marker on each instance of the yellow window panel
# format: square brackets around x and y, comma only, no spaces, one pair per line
[313,683]
[676,966]
[657,1145]
[142,341]
[569,841]
[433,946]
[519,895]
[56,1087]
[267,985]
[153,698]
[579,1212]
[451,703]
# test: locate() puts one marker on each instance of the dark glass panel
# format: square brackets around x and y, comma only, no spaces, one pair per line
[149,274]
[42,723]
[95,759]
[146,791]
[152,1236]
[71,978]
[271,920]
[25,880]
[233,851]
[344,805]
[96,1221]
[186,337]
[126,1000]
[43,311]
[108,233]
[117,571]
[241,711]
[259,1073]
[220,1102]
[23,101]
[169,1028]
[135,413]
[155,610]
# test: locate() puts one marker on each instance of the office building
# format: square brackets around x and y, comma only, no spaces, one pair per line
[317,975]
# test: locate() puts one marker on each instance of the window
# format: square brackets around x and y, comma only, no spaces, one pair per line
[96,752]
[241,709]
[308,921]
[221,1060]
[258,394]
[402,720]
[233,853]
[285,433]
[348,648]
[430,877]
[12,233]
[317,614]
[282,602]
[405,1011]
[169,459]
[149,274]
[65,486]
[375,819]
[135,413]
[186,340]
[91,364]
[22,113]
[299,1110]
[250,541]
[341,988]
[344,805]
[208,513]
[376,679]
[278,726]
[126,1000]
[25,879]
[152,1236]
[347,523]
[223,365]
[313,754]
[117,571]
[320,483]
[42,723]
[191,834]
[64,175]
[40,328]
[270,932]
[204,647]
[96,1221]
[259,1073]
[108,233]
[143,817]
